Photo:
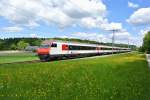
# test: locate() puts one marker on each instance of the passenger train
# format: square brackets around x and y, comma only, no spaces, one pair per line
[57,49]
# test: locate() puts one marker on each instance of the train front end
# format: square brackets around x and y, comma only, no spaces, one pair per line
[44,52]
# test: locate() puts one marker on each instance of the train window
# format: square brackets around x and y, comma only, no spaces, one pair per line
[72,47]
[106,48]
[53,45]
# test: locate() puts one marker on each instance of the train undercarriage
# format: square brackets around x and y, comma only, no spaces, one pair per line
[47,57]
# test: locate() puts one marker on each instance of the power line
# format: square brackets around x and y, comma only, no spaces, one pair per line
[113,37]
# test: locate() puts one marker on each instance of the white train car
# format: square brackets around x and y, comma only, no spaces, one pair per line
[57,49]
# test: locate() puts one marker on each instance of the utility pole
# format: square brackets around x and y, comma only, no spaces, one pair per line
[113,40]
[113,37]
[100,40]
[128,43]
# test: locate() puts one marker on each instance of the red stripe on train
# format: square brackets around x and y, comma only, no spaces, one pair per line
[65,47]
[43,50]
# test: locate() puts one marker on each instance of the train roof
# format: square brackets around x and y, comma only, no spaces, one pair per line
[78,43]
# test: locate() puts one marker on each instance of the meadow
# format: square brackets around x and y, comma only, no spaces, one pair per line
[117,77]
[17,57]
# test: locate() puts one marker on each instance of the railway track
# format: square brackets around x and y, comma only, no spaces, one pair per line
[33,61]
[37,61]
[21,62]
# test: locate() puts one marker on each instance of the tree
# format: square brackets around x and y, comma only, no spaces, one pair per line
[141,49]
[37,42]
[21,45]
[13,47]
[146,42]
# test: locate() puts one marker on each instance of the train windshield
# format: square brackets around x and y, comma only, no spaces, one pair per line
[53,45]
[47,46]
[44,46]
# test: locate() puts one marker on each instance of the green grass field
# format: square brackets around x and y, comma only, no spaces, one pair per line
[17,57]
[118,77]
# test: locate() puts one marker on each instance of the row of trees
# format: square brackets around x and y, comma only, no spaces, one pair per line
[19,43]
[22,43]
[146,43]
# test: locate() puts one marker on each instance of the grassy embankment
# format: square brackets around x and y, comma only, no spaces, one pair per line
[119,77]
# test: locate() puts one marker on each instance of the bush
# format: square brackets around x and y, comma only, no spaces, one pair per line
[21,45]
[146,42]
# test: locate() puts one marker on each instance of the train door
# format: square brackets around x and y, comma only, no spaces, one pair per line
[98,50]
[55,49]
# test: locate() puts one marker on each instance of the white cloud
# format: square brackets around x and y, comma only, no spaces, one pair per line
[120,37]
[34,35]
[91,36]
[141,35]
[63,13]
[84,13]
[137,39]
[112,25]
[121,34]
[89,22]
[140,17]
[143,32]
[32,24]
[84,8]
[101,23]
[19,12]
[132,5]
[11,29]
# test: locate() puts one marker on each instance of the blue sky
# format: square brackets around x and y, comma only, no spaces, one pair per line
[85,19]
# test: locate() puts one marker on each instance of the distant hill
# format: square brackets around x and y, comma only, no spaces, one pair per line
[14,43]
